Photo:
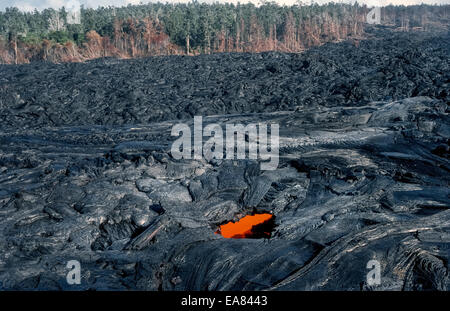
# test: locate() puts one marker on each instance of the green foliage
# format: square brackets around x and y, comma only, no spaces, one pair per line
[59,36]
[198,21]
[30,39]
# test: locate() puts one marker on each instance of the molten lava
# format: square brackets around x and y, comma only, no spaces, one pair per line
[250,226]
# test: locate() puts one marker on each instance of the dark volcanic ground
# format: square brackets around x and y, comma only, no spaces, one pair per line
[86,172]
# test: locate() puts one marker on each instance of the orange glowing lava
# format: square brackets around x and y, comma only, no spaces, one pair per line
[245,227]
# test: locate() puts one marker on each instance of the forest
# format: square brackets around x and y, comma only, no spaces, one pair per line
[193,28]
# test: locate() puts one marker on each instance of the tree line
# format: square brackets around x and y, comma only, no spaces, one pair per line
[191,28]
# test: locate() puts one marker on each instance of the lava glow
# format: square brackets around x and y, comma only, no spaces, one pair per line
[245,227]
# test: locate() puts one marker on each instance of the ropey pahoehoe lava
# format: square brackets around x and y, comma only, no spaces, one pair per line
[86,172]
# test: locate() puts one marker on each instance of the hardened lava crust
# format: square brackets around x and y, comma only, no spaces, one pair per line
[86,171]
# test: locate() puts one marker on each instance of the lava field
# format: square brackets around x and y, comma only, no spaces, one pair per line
[86,171]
